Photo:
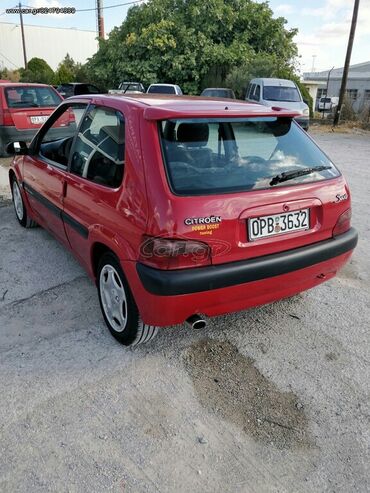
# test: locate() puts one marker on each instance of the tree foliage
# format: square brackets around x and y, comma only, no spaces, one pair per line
[37,71]
[193,43]
[70,71]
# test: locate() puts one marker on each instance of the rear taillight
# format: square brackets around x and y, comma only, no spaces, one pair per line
[343,223]
[71,117]
[7,119]
[166,254]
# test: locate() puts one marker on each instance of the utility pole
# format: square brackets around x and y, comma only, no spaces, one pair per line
[100,18]
[347,62]
[23,40]
[327,90]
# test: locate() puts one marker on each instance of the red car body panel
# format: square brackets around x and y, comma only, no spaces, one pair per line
[171,310]
[145,205]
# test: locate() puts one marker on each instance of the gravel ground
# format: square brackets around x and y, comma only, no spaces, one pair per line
[274,399]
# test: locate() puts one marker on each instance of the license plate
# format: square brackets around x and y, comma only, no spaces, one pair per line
[286,222]
[38,119]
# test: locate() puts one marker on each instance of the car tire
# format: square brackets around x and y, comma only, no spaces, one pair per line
[19,206]
[118,306]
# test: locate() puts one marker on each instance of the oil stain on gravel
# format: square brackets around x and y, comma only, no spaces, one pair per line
[230,386]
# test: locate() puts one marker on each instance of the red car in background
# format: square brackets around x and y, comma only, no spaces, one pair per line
[180,207]
[23,109]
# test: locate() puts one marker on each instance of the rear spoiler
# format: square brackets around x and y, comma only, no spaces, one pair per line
[158,113]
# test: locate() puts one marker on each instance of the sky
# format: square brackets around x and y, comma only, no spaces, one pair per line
[323,25]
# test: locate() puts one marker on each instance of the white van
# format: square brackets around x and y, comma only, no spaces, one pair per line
[279,92]
[328,103]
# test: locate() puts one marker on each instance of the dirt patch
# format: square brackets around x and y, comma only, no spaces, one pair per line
[344,128]
[229,385]
[331,356]
[5,161]
[5,201]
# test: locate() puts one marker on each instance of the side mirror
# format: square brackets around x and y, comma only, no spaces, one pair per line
[306,101]
[17,148]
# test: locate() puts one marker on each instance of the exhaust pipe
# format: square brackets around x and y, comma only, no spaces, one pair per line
[196,322]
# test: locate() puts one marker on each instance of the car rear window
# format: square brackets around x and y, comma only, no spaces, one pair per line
[210,156]
[162,90]
[217,93]
[128,86]
[31,97]
[281,93]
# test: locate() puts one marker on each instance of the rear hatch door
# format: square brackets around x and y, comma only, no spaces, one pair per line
[30,106]
[251,187]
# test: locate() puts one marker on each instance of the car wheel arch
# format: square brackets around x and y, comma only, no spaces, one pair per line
[11,175]
[98,249]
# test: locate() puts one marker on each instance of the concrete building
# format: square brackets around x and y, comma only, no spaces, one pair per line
[358,84]
[50,43]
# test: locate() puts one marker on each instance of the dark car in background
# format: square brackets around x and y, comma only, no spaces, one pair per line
[23,109]
[77,88]
[218,92]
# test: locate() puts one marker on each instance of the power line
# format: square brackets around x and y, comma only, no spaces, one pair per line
[93,9]
[110,6]
[14,65]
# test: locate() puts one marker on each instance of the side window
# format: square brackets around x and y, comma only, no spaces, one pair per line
[251,94]
[80,89]
[92,89]
[247,92]
[257,94]
[56,143]
[99,151]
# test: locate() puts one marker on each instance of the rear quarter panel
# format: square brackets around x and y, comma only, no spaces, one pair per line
[121,217]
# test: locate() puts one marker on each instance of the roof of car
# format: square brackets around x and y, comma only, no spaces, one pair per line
[217,89]
[73,84]
[23,84]
[269,81]
[160,84]
[162,107]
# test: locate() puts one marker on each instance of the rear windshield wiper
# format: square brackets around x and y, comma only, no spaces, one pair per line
[290,175]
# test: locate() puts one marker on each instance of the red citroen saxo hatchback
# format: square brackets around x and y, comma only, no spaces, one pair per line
[183,207]
[23,109]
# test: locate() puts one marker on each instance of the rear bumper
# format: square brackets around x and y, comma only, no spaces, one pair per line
[13,134]
[169,283]
[169,297]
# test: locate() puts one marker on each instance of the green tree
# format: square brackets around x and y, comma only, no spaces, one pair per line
[37,71]
[65,71]
[190,42]
[261,65]
[4,73]
[70,71]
